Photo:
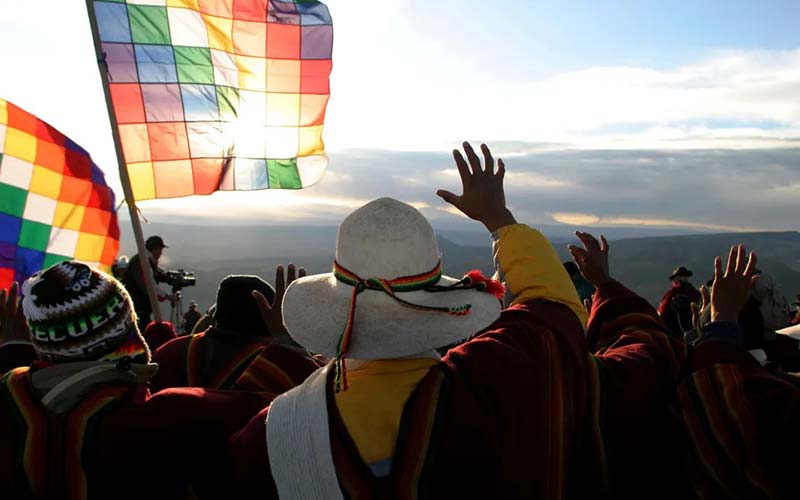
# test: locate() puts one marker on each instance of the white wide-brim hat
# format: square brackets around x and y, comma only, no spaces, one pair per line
[384,239]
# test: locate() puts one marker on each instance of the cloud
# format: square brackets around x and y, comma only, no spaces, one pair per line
[708,190]
[742,99]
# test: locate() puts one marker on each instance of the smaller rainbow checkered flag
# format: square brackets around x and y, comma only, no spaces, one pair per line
[54,202]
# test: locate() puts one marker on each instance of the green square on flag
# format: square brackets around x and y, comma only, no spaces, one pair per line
[283,174]
[149,24]
[228,99]
[194,65]
[34,235]
[51,258]
[12,200]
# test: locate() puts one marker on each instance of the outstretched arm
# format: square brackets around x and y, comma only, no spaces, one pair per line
[740,418]
[530,265]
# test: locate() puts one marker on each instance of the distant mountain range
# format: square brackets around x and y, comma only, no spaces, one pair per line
[639,259]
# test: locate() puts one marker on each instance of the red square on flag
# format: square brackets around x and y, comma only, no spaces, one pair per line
[283,41]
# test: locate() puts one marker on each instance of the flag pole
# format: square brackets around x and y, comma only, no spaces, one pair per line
[124,177]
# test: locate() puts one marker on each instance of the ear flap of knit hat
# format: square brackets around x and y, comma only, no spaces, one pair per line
[237,310]
[75,313]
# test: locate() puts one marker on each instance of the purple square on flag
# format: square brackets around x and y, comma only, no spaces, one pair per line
[71,145]
[162,102]
[8,254]
[282,12]
[97,175]
[316,42]
[121,62]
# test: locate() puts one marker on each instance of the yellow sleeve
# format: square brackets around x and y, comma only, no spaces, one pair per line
[533,270]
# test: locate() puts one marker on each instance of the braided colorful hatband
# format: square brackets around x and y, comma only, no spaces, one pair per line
[425,281]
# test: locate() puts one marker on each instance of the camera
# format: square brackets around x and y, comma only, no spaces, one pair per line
[180,279]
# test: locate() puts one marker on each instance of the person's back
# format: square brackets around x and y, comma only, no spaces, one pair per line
[190,318]
[81,423]
[675,307]
[90,443]
[503,415]
[238,353]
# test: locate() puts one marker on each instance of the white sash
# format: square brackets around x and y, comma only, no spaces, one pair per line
[299,443]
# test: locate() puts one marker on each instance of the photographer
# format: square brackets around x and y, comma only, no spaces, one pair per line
[134,281]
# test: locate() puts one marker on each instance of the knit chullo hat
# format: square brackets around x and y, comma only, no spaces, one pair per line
[75,313]
[237,310]
[387,297]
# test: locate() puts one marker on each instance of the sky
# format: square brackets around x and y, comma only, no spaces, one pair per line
[635,113]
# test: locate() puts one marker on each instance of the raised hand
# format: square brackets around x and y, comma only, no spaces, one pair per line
[483,197]
[592,259]
[272,313]
[732,287]
[12,323]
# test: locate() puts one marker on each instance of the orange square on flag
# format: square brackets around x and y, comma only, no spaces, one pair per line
[75,190]
[96,221]
[135,142]
[173,178]
[51,156]
[168,140]
[249,38]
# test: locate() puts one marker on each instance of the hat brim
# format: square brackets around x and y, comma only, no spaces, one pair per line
[688,274]
[315,310]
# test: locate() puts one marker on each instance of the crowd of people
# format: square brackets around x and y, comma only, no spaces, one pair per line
[386,378]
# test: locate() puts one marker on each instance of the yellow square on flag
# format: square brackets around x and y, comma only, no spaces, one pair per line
[20,145]
[46,182]
[90,247]
[68,215]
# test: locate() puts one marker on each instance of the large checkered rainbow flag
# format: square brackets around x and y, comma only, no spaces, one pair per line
[218,94]
[54,202]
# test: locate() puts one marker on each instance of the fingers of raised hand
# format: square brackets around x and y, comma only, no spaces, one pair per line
[463,168]
[3,306]
[751,265]
[579,255]
[603,244]
[717,268]
[740,263]
[501,169]
[291,274]
[731,261]
[589,241]
[449,197]
[280,280]
[474,161]
[487,158]
[301,273]
[262,302]
[704,294]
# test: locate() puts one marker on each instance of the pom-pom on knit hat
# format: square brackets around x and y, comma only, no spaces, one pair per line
[75,313]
